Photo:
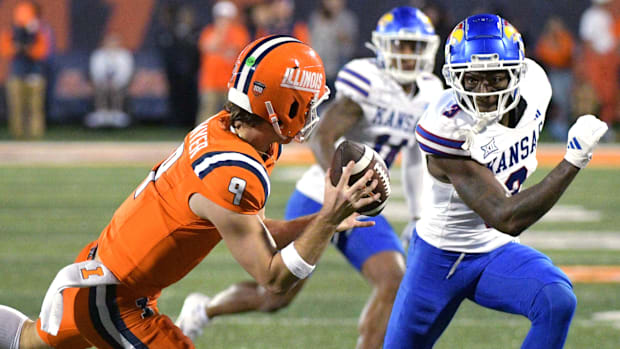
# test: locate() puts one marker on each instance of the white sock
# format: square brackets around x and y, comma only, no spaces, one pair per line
[11,323]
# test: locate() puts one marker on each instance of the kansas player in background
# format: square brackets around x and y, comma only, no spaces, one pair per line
[212,188]
[378,102]
[480,140]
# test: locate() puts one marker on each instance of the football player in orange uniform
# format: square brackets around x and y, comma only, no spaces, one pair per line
[212,188]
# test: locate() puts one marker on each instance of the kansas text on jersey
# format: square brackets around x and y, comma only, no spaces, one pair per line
[447,222]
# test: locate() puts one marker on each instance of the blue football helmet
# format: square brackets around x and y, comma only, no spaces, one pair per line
[405,43]
[485,42]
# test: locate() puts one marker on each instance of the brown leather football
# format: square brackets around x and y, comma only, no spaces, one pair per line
[365,158]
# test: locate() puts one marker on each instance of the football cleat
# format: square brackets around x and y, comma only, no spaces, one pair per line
[193,317]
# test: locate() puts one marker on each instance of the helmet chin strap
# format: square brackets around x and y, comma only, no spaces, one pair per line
[274,120]
[484,120]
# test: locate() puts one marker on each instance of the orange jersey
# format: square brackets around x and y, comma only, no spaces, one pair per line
[154,239]
[38,50]
[556,51]
[215,66]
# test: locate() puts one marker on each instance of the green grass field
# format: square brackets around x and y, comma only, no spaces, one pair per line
[49,213]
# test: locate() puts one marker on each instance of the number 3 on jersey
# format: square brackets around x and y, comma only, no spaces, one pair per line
[237,187]
[516,180]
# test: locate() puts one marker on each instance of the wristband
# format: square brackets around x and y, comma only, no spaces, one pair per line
[295,263]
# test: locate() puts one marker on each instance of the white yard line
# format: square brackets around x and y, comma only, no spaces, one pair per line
[583,240]
[348,322]
[78,153]
[125,152]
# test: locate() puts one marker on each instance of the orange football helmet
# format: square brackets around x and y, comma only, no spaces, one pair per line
[282,80]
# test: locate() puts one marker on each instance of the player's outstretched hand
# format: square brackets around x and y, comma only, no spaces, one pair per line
[342,200]
[351,222]
[583,137]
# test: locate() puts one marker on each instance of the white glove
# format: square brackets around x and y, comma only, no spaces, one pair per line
[583,137]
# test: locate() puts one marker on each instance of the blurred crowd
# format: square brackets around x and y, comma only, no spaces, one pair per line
[583,66]
[331,29]
[27,44]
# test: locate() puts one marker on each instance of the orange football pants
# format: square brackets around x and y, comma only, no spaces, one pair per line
[112,316]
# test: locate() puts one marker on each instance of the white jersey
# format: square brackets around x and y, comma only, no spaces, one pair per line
[447,222]
[389,116]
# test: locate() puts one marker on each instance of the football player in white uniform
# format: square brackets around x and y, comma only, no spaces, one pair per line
[378,103]
[480,140]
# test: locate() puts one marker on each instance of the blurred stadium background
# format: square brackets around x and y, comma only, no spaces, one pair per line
[146,26]
[59,193]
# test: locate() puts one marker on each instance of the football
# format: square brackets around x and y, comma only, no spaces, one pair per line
[365,158]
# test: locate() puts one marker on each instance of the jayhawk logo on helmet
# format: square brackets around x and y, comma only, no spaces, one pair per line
[287,80]
[385,19]
[512,33]
[457,34]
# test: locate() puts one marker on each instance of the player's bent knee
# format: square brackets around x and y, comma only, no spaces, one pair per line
[389,282]
[564,300]
[30,338]
[557,299]
[385,271]
[274,302]
[389,287]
